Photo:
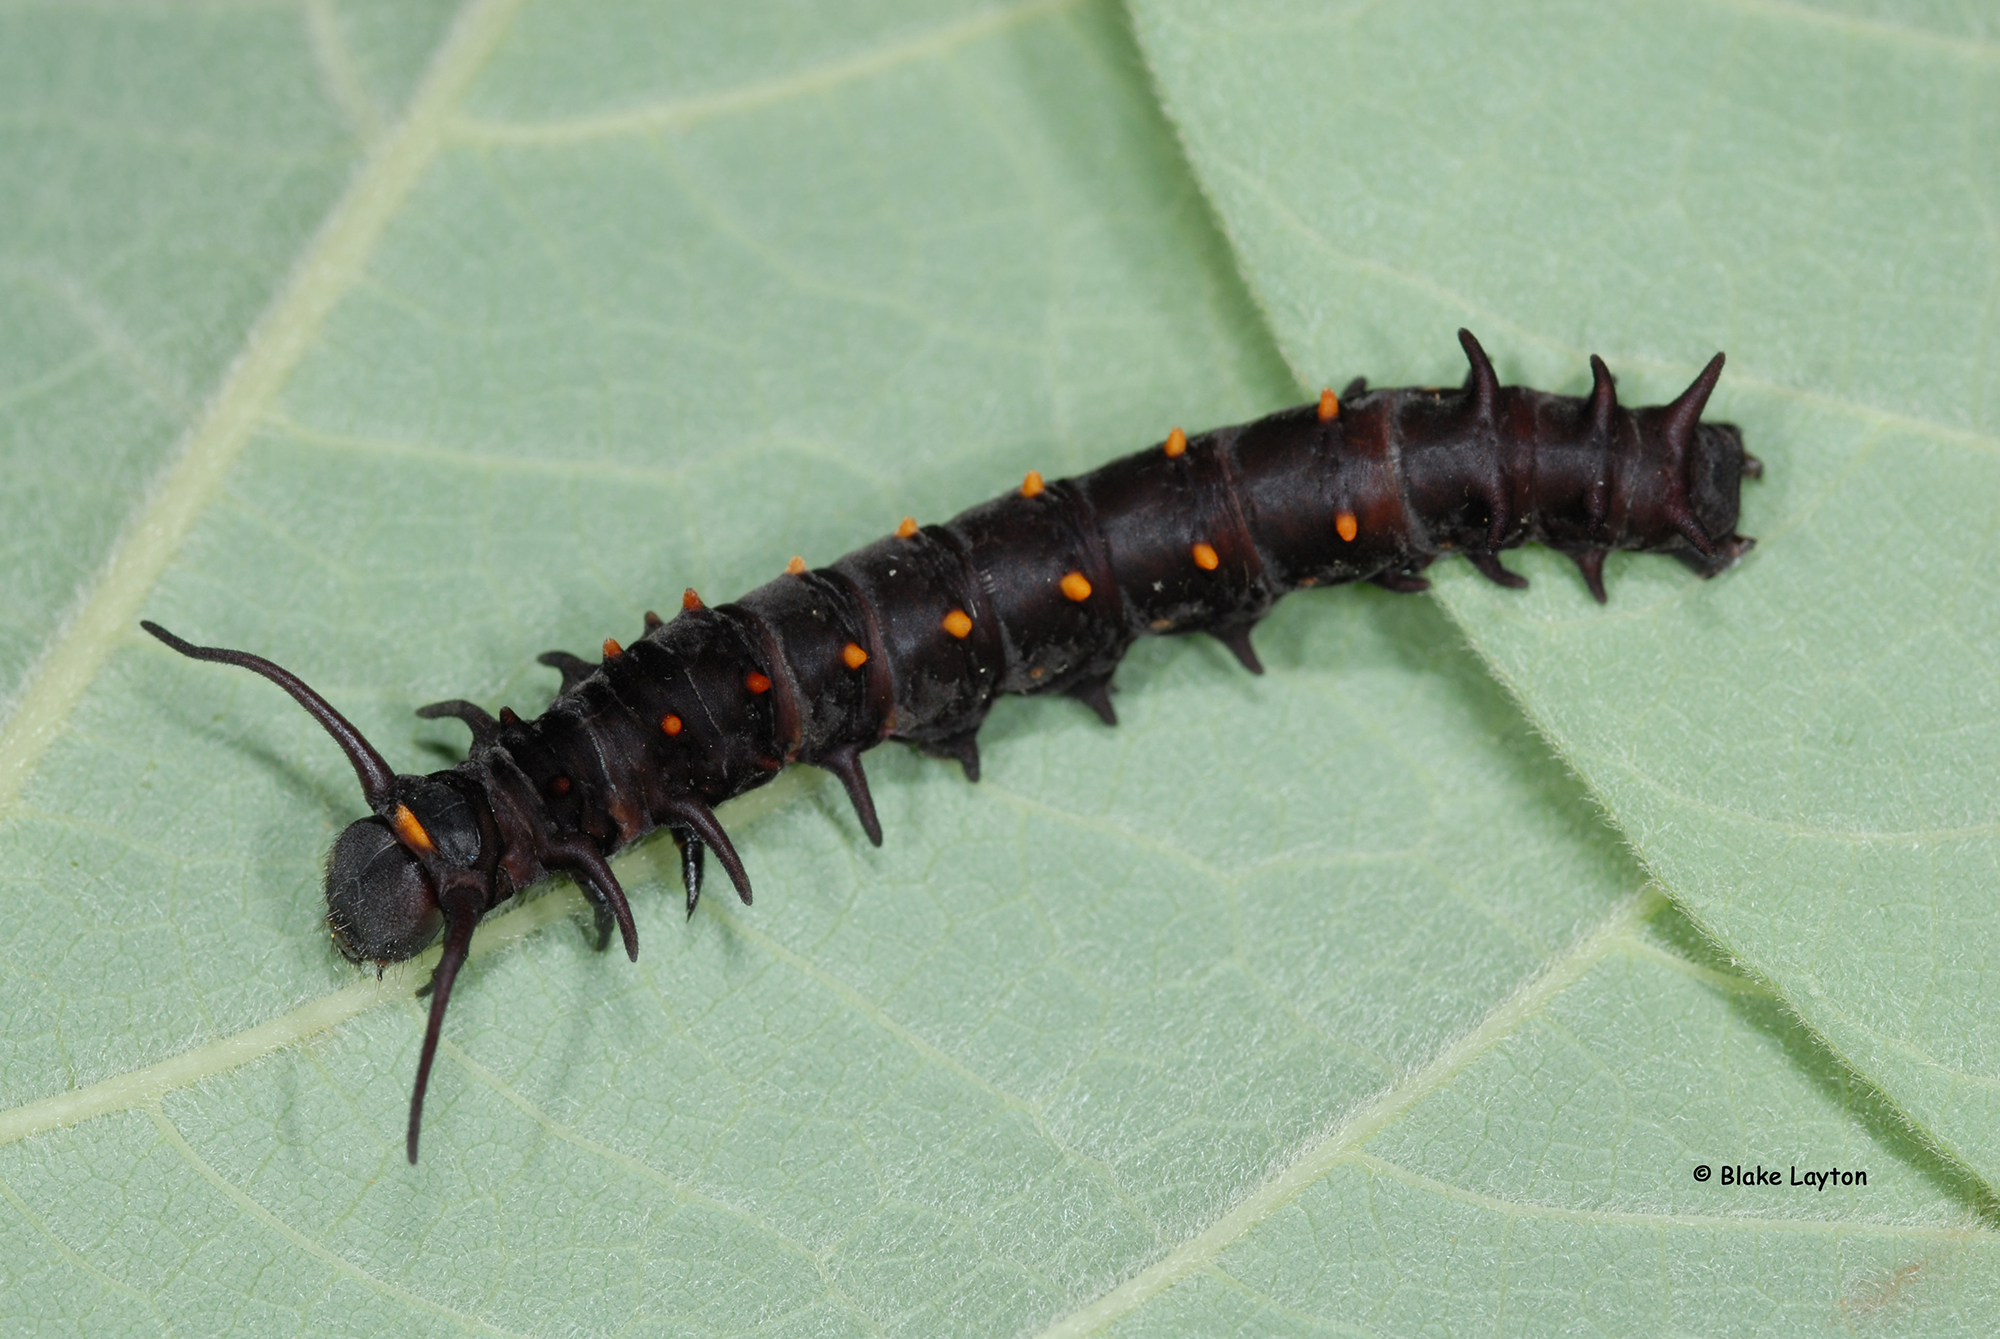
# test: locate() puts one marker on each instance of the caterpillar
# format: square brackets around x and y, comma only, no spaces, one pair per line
[1040,590]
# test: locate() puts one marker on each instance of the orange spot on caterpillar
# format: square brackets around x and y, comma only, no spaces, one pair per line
[670,723]
[1344,524]
[409,829]
[1176,443]
[612,650]
[796,567]
[1032,485]
[756,682]
[958,623]
[1329,406]
[853,656]
[1205,559]
[689,600]
[1076,586]
[560,785]
[907,528]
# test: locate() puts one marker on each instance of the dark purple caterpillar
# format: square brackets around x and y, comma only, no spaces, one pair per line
[1038,591]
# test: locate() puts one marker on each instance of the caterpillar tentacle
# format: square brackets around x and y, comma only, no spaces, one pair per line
[1040,590]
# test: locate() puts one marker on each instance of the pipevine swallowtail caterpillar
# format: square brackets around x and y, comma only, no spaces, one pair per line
[1040,590]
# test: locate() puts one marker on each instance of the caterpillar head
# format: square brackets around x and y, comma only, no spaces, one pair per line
[1717,464]
[420,864]
[383,874]
[379,905]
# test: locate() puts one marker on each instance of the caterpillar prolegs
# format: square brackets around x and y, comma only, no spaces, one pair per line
[1040,590]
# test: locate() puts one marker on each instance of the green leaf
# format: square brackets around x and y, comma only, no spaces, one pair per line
[1541,1178]
[1323,994]
[159,173]
[1806,751]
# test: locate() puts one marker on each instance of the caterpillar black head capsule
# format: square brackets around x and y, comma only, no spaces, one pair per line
[423,862]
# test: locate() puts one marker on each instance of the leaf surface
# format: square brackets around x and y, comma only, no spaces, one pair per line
[622,299]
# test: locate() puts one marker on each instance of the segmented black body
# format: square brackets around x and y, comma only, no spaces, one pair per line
[1040,590]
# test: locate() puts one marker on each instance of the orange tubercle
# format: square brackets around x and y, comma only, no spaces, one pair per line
[560,785]
[958,623]
[612,650]
[689,600]
[1344,525]
[756,683]
[1329,406]
[907,528]
[1032,485]
[796,567]
[1077,586]
[670,723]
[1176,443]
[1205,557]
[853,656]
[409,829]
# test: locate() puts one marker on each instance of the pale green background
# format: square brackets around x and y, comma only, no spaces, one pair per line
[400,344]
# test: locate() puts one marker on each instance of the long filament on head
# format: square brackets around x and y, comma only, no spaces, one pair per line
[461,913]
[378,781]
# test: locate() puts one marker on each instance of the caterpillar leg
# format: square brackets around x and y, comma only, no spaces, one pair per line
[691,814]
[1403,583]
[693,855]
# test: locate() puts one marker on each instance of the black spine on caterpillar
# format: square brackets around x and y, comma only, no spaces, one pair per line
[1037,591]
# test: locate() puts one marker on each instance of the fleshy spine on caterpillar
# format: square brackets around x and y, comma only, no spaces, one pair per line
[1039,590]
